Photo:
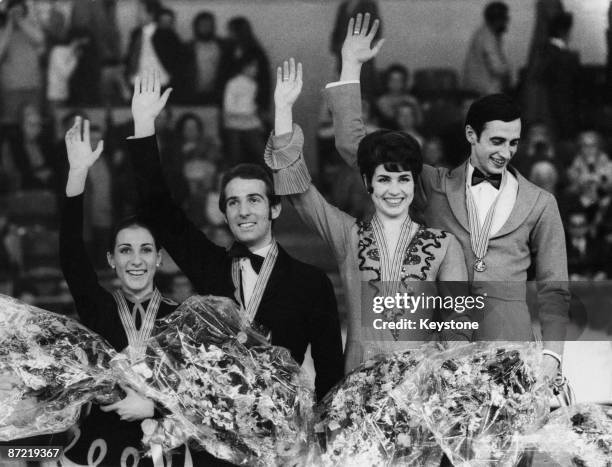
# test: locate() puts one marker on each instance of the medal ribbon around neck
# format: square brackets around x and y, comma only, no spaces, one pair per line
[137,337]
[391,265]
[479,236]
[260,285]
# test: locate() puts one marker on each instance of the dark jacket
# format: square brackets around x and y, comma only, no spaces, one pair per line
[298,305]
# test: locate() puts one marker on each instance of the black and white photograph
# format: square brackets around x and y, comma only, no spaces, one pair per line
[295,233]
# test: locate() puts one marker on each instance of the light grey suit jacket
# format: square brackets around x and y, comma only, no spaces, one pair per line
[533,234]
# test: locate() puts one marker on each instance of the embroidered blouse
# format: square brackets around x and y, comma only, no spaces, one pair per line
[423,256]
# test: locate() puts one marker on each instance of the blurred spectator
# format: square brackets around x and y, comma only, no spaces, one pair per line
[396,93]
[63,60]
[406,120]
[11,256]
[347,10]
[193,141]
[99,202]
[560,77]
[200,175]
[545,175]
[106,83]
[538,146]
[585,258]
[21,45]
[244,132]
[185,142]
[591,172]
[32,154]
[55,25]
[207,57]
[244,48]
[433,152]
[155,45]
[486,69]
[533,94]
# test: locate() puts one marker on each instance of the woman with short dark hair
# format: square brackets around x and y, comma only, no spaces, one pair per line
[391,253]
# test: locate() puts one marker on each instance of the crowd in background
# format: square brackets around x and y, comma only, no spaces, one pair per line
[77,62]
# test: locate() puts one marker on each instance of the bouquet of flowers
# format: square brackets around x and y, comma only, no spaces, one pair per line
[480,398]
[368,419]
[227,389]
[578,435]
[50,366]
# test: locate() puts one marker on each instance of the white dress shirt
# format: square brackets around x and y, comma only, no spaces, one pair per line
[484,194]
[248,274]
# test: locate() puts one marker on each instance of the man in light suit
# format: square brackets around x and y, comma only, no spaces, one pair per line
[521,222]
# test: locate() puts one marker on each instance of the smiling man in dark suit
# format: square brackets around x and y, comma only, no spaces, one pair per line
[292,302]
[504,223]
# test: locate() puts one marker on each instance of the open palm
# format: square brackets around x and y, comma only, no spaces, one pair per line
[288,83]
[78,145]
[147,101]
[357,44]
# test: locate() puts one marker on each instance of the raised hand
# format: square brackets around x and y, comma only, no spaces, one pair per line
[78,145]
[288,88]
[147,102]
[357,47]
[288,84]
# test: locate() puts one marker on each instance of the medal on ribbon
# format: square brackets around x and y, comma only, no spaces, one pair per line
[480,233]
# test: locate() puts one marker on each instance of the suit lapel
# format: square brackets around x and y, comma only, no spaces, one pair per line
[274,285]
[455,193]
[525,201]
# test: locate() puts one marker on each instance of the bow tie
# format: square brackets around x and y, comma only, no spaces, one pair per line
[479,177]
[239,250]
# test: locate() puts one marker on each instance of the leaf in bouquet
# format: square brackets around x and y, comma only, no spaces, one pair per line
[580,434]
[55,365]
[230,391]
[368,417]
[479,398]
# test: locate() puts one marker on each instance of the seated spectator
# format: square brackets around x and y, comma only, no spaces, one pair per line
[538,146]
[21,46]
[544,174]
[200,175]
[11,256]
[155,45]
[585,258]
[207,57]
[63,60]
[396,93]
[406,120]
[244,47]
[193,141]
[31,153]
[433,152]
[244,131]
[591,170]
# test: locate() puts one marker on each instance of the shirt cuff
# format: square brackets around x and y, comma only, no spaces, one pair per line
[284,156]
[341,83]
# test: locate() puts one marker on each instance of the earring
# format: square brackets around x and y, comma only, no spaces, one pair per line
[112,266]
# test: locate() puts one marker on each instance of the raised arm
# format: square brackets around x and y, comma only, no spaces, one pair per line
[344,96]
[78,271]
[192,251]
[291,177]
